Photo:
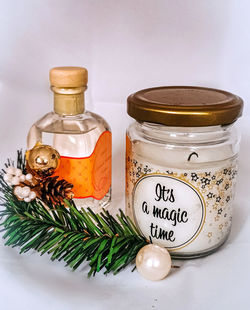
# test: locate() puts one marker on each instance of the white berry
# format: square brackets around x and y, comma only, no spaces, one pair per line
[32,195]
[15,181]
[22,178]
[25,191]
[28,177]
[18,191]
[18,172]
[27,199]
[11,170]
[7,177]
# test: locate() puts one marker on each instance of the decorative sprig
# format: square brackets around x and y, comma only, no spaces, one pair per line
[68,234]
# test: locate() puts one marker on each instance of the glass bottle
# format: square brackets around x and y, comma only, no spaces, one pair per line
[82,138]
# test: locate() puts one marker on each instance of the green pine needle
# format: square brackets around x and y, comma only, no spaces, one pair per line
[67,233]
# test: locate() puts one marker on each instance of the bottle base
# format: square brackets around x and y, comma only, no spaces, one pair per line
[94,204]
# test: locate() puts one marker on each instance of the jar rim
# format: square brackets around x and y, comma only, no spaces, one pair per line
[185,106]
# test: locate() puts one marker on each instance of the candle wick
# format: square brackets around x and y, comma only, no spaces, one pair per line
[194,153]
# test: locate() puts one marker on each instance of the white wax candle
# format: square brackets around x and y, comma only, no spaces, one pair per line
[182,203]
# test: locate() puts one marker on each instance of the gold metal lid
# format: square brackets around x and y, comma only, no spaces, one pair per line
[68,77]
[185,106]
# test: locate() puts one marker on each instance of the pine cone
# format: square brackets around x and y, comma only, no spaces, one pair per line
[55,191]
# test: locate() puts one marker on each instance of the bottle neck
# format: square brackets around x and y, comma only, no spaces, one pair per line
[69,101]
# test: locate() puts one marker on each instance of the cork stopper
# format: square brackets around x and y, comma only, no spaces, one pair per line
[68,77]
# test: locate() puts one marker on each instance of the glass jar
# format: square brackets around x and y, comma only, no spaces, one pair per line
[181,167]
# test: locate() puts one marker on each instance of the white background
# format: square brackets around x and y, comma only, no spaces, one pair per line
[126,46]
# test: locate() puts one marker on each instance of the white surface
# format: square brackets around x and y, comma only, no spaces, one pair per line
[127,46]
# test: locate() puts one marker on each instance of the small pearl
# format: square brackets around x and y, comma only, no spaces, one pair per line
[11,170]
[22,178]
[29,177]
[15,181]
[18,172]
[32,195]
[27,199]
[25,191]
[153,262]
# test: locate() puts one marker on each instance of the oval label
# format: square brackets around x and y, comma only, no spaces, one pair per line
[168,211]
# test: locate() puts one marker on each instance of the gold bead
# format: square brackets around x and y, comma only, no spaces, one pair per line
[43,160]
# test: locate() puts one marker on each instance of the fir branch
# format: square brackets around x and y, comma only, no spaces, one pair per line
[69,234]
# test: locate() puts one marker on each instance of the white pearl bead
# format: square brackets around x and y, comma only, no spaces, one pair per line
[18,172]
[25,191]
[32,195]
[11,170]
[27,199]
[15,181]
[22,178]
[153,262]
[28,177]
